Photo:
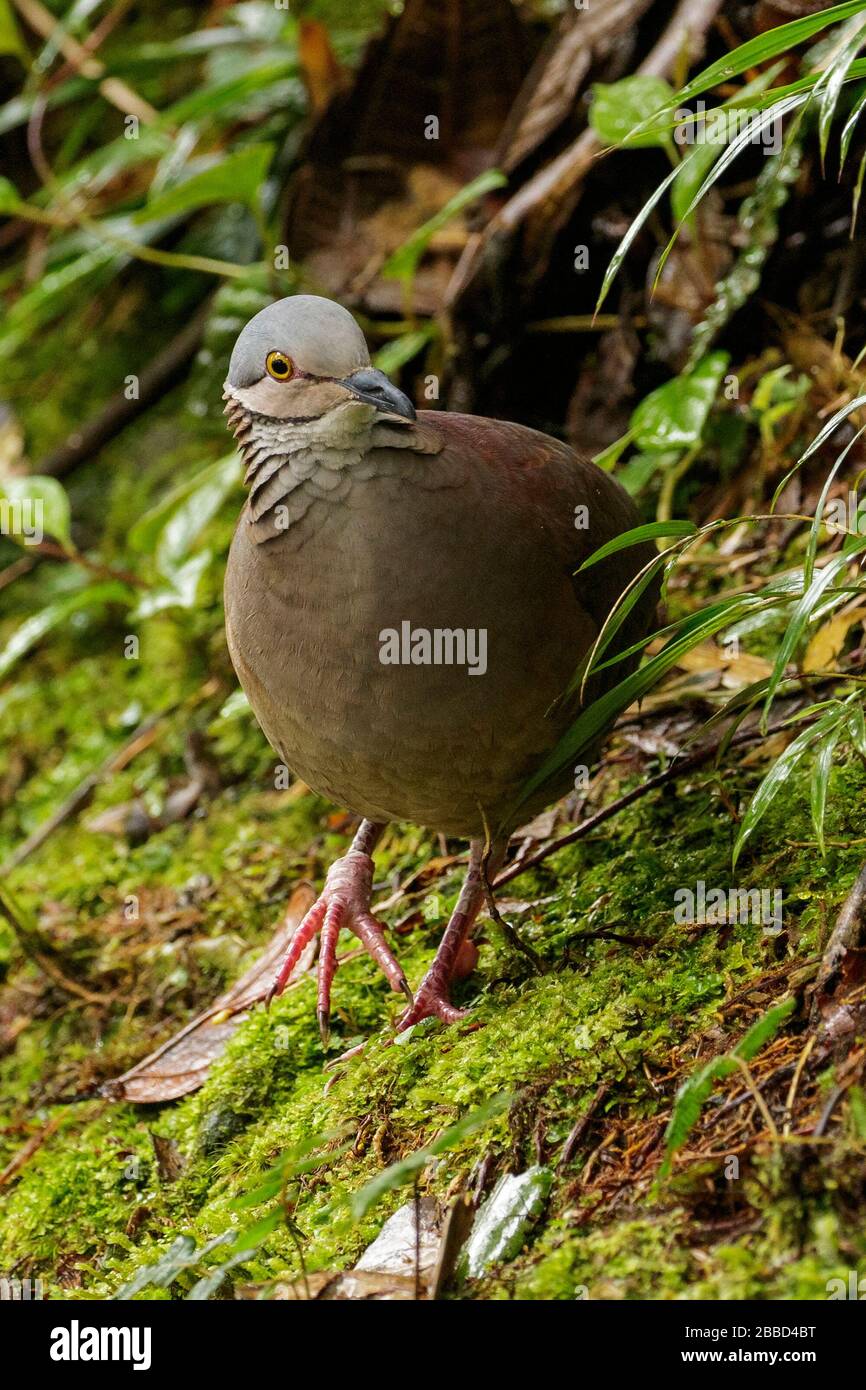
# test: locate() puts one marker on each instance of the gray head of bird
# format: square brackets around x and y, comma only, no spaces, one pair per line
[301,366]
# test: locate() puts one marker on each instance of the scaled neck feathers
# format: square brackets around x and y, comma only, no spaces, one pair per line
[290,464]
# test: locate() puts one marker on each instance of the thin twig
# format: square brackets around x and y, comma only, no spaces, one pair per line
[846,936]
[79,798]
[670,774]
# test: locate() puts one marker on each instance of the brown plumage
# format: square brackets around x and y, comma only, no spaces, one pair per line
[364,522]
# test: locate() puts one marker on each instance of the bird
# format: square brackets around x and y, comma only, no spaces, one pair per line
[405,612]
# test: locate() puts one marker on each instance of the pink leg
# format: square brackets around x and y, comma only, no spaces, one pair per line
[432,996]
[343,902]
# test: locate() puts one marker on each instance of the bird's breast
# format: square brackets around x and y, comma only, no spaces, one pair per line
[401,643]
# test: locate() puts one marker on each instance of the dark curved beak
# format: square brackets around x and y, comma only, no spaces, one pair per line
[373,387]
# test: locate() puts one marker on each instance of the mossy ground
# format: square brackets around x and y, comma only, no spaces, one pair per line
[92,1203]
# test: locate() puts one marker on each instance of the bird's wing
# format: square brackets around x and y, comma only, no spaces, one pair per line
[544,485]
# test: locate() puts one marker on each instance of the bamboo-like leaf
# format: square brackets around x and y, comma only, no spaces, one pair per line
[600,714]
[857,725]
[653,530]
[829,85]
[848,129]
[233,178]
[815,529]
[820,439]
[858,189]
[402,264]
[747,136]
[777,778]
[820,781]
[687,183]
[802,615]
[761,49]
[622,250]
[33,629]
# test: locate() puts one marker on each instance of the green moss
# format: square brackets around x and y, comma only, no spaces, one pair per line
[89,1207]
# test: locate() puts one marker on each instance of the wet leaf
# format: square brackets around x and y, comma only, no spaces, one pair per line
[620,107]
[234,178]
[673,416]
[30,632]
[503,1221]
[182,1064]
[44,500]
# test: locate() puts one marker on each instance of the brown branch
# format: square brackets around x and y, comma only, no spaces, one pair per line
[81,60]
[165,369]
[670,774]
[79,798]
[846,936]
[559,181]
[569,1148]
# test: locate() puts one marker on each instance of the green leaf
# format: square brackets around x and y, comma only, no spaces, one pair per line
[778,777]
[673,416]
[619,107]
[820,781]
[609,457]
[817,522]
[402,264]
[724,119]
[10,39]
[181,590]
[747,136]
[9,196]
[653,530]
[405,1169]
[696,1090]
[829,85]
[803,614]
[849,127]
[594,720]
[234,178]
[170,528]
[399,351]
[44,500]
[820,439]
[220,99]
[25,637]
[773,43]
[622,250]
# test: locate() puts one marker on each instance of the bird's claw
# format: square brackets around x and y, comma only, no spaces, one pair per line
[431,1001]
[343,902]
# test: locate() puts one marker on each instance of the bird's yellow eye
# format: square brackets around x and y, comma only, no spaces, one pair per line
[279,366]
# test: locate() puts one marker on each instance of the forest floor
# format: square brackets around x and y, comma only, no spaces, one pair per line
[764,1199]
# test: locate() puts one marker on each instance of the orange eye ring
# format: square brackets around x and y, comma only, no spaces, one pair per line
[279,366]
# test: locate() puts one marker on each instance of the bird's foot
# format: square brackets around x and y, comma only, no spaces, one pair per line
[343,902]
[431,1001]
